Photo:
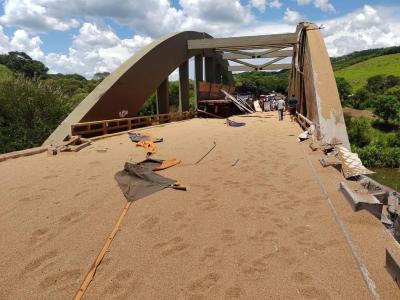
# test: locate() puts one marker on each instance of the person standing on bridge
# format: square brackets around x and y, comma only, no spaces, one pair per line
[281,107]
[292,107]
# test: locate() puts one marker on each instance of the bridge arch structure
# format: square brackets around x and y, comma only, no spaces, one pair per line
[303,52]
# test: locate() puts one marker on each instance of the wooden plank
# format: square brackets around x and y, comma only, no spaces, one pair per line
[243,41]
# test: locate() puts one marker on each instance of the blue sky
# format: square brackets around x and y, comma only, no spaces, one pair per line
[88,36]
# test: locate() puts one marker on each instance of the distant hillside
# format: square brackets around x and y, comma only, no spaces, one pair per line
[347,60]
[5,73]
[358,74]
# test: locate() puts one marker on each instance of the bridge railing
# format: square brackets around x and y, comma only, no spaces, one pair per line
[303,121]
[95,128]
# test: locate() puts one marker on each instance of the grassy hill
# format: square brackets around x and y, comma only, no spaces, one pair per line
[357,74]
[5,73]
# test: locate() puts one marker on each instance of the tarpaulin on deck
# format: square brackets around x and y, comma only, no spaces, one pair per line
[138,180]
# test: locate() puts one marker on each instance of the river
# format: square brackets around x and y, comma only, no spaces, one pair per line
[387,176]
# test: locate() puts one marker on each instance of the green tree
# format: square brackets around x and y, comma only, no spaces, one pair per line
[391,81]
[359,131]
[376,84]
[393,91]
[344,88]
[100,75]
[29,111]
[387,107]
[362,99]
[22,63]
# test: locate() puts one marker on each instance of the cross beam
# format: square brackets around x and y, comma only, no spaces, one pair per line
[256,41]
[269,67]
[244,55]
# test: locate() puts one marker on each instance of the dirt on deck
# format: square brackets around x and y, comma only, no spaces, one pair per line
[254,223]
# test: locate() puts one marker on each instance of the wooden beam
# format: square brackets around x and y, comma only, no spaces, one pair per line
[244,63]
[270,67]
[272,62]
[273,53]
[243,41]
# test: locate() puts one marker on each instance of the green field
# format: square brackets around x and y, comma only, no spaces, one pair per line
[5,73]
[358,74]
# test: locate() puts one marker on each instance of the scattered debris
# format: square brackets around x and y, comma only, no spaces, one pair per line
[52,150]
[359,201]
[138,180]
[102,150]
[257,106]
[148,145]
[234,123]
[329,161]
[235,163]
[137,137]
[303,136]
[393,266]
[178,186]
[314,146]
[351,163]
[328,149]
[215,144]
[168,163]
[242,107]
[92,271]
[75,144]
[209,114]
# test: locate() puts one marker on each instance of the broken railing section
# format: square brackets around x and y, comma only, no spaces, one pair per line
[362,192]
[96,128]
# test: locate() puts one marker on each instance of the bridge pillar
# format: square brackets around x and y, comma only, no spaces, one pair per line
[313,83]
[210,68]
[163,98]
[218,72]
[198,76]
[184,86]
[227,77]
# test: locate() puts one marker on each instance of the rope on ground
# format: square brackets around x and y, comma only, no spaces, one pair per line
[215,144]
[363,269]
[90,275]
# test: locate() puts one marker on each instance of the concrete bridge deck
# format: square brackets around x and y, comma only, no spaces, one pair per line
[261,229]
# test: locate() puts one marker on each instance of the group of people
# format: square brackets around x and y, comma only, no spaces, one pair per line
[271,103]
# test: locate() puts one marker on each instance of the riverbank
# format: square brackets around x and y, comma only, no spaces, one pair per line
[387,176]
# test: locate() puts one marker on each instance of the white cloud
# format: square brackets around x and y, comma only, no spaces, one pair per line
[292,16]
[323,5]
[33,16]
[303,2]
[4,41]
[146,17]
[21,41]
[262,4]
[368,27]
[259,4]
[95,50]
[275,3]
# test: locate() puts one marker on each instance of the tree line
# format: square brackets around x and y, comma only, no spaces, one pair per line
[376,141]
[33,102]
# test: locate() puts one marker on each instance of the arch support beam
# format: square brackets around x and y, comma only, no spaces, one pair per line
[184,86]
[132,83]
[163,97]
[198,76]
[209,67]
